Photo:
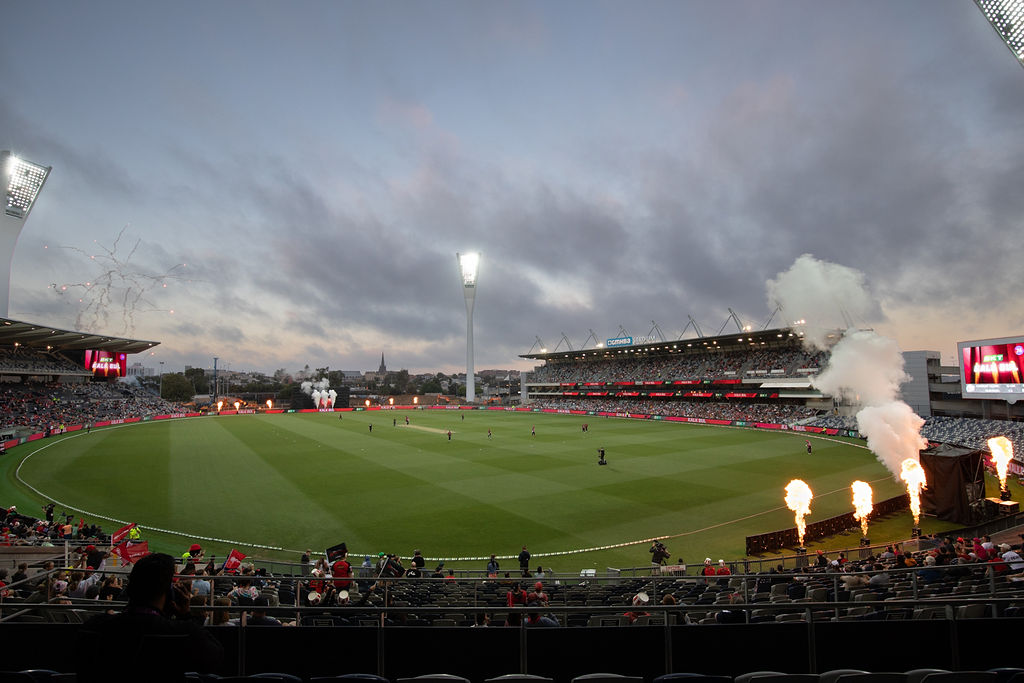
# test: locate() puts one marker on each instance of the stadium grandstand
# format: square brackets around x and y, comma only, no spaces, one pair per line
[81,604]
[384,619]
[51,377]
[763,378]
[961,592]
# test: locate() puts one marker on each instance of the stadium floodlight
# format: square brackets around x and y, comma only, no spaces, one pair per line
[1007,18]
[469,265]
[22,181]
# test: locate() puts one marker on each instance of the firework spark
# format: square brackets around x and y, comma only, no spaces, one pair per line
[119,290]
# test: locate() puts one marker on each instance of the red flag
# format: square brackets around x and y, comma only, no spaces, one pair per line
[234,560]
[121,551]
[121,534]
[132,552]
[81,523]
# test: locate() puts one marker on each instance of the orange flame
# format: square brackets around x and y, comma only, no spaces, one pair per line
[913,476]
[1002,454]
[798,499]
[862,503]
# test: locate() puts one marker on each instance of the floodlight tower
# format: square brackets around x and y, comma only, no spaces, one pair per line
[22,181]
[468,266]
[1007,18]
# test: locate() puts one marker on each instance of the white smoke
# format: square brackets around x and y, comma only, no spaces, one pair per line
[320,391]
[864,367]
[826,296]
[894,433]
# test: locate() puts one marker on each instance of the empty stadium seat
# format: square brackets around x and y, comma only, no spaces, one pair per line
[607,678]
[1005,673]
[751,675]
[434,678]
[918,675]
[833,675]
[15,677]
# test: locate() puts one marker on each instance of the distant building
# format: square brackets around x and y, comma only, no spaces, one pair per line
[934,389]
[139,370]
[351,376]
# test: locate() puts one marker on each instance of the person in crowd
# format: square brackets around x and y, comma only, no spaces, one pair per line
[929,574]
[193,555]
[417,560]
[155,607]
[535,618]
[708,569]
[524,561]
[659,553]
[222,616]
[640,600]
[538,595]
[880,579]
[341,570]
[723,572]
[516,597]
[244,593]
[393,567]
[198,611]
[21,574]
[258,616]
[1012,558]
[201,584]
[493,567]
[111,588]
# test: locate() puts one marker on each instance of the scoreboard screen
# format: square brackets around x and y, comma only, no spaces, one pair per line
[106,363]
[992,368]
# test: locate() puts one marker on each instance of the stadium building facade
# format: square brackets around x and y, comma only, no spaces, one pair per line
[767,368]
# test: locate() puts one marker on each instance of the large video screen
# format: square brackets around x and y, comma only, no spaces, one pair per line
[992,368]
[106,363]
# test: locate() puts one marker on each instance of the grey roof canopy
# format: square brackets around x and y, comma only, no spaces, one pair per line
[35,336]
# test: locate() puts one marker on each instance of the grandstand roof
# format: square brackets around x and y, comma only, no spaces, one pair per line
[37,336]
[730,342]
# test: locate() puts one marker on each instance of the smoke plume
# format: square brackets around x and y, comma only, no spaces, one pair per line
[320,391]
[864,367]
[825,296]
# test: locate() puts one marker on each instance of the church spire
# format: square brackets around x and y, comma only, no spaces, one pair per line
[383,369]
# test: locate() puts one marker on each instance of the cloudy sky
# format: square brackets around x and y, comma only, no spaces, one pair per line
[317,165]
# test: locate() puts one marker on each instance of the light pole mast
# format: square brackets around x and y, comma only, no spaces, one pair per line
[21,182]
[468,266]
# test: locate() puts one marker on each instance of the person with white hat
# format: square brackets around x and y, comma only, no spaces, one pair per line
[1012,558]
[723,572]
[640,600]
